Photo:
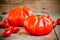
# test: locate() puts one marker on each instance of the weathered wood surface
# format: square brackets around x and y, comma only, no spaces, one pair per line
[57,30]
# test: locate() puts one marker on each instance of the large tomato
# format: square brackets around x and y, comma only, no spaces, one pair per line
[38,26]
[17,16]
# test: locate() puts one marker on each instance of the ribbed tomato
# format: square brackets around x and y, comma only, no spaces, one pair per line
[17,16]
[38,26]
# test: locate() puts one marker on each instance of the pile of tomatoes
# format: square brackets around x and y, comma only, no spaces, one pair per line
[8,30]
[25,17]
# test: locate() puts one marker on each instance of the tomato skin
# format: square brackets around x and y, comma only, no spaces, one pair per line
[28,11]
[58,21]
[7,33]
[54,24]
[47,23]
[29,25]
[14,29]
[21,18]
[5,24]
[38,26]
[13,16]
[49,18]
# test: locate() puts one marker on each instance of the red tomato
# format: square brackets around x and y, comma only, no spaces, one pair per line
[17,16]
[14,29]
[38,26]
[5,24]
[58,21]
[7,33]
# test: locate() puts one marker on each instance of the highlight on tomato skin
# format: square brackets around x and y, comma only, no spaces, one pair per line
[28,11]
[53,22]
[38,26]
[49,17]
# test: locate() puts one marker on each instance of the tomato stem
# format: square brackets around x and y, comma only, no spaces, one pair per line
[37,15]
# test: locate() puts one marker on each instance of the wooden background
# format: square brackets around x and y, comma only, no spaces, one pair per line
[51,6]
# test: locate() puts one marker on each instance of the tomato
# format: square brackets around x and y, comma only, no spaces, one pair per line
[38,26]
[14,29]
[58,21]
[17,16]
[5,24]
[7,33]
